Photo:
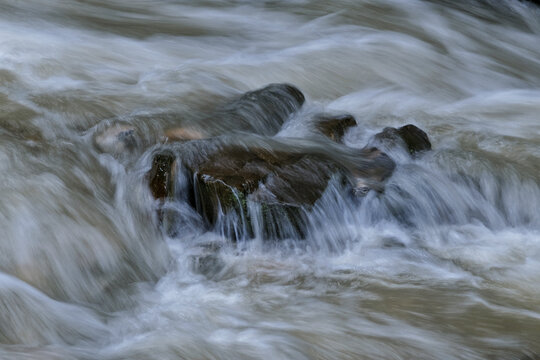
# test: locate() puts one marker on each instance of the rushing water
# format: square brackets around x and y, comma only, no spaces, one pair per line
[445,264]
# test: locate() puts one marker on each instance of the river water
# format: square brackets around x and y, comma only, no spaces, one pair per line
[444,264]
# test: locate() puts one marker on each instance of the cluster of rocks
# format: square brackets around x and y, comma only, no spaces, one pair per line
[229,174]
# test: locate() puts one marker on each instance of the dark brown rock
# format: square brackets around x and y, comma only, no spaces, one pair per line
[334,126]
[409,137]
[280,182]
[256,186]
[294,178]
[161,179]
[161,176]
[415,138]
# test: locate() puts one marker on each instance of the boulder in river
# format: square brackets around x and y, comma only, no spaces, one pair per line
[258,186]
[281,183]
[266,190]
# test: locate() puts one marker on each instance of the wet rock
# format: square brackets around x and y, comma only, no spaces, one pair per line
[117,139]
[270,190]
[280,183]
[409,137]
[253,186]
[372,177]
[161,176]
[161,180]
[273,102]
[264,189]
[334,126]
[290,178]
[183,134]
[261,112]
[415,138]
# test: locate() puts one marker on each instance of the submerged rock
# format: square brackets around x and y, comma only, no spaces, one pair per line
[372,177]
[209,264]
[334,126]
[184,134]
[117,139]
[261,111]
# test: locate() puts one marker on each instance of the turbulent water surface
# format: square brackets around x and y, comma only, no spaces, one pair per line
[444,264]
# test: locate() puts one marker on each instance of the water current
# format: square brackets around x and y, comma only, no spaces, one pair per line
[444,264]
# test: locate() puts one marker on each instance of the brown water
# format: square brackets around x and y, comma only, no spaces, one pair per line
[443,265]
